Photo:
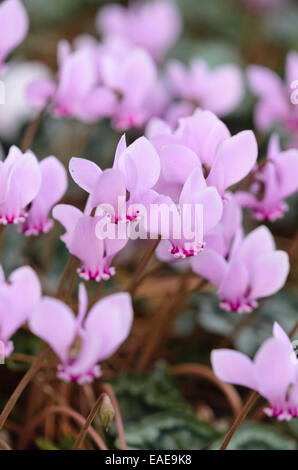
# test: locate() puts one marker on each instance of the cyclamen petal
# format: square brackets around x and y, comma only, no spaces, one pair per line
[83,242]
[225,159]
[81,342]
[205,86]
[54,322]
[233,367]
[235,159]
[18,298]
[272,373]
[20,176]
[272,184]
[274,105]
[14,23]
[135,24]
[84,172]
[53,187]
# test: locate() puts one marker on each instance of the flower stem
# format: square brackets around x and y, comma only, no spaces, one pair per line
[64,277]
[133,284]
[30,132]
[84,430]
[22,385]
[252,399]
[72,280]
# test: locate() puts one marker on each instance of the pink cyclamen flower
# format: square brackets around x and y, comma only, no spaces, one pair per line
[254,269]
[190,240]
[133,78]
[219,90]
[81,342]
[18,298]
[275,97]
[219,239]
[136,170]
[201,140]
[136,24]
[275,181]
[77,92]
[82,241]
[52,189]
[14,24]
[20,181]
[273,373]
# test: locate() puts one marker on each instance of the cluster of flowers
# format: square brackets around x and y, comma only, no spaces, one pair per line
[118,77]
[187,156]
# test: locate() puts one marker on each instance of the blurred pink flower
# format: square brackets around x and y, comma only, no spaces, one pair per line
[18,298]
[77,92]
[99,80]
[219,90]
[254,269]
[273,182]
[275,105]
[52,189]
[20,181]
[154,25]
[133,78]
[273,373]
[14,25]
[81,342]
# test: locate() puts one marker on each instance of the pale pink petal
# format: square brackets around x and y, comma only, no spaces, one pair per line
[210,265]
[269,273]
[54,322]
[25,292]
[177,163]
[264,82]
[84,172]
[140,165]
[233,367]
[258,242]
[40,92]
[110,186]
[274,370]
[68,216]
[14,23]
[203,132]
[235,157]
[235,283]
[227,78]
[287,171]
[111,318]
[53,187]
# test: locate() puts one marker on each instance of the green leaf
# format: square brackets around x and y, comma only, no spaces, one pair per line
[141,394]
[170,430]
[251,436]
[212,317]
